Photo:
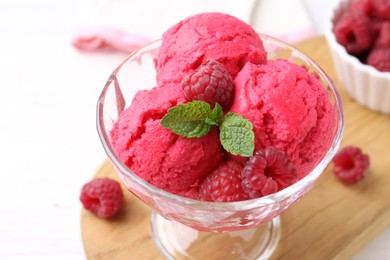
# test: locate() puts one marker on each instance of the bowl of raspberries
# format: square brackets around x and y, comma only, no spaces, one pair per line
[358,35]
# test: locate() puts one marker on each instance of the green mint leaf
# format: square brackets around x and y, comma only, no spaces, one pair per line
[236,135]
[188,119]
[215,116]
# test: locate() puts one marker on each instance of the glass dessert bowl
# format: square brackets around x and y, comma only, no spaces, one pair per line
[185,228]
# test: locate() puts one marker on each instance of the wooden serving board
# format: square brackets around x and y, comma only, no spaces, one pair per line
[333,221]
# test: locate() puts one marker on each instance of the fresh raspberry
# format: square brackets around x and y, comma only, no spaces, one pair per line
[383,40]
[380,59]
[267,171]
[210,82]
[102,196]
[350,164]
[224,184]
[354,32]
[381,9]
[363,6]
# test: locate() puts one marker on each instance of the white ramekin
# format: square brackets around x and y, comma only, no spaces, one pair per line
[362,82]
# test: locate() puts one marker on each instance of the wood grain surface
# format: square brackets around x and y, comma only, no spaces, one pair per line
[333,221]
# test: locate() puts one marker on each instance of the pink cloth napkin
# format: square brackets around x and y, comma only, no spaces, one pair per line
[297,35]
[107,39]
[111,39]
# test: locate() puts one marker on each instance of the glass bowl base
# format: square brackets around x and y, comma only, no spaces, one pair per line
[177,241]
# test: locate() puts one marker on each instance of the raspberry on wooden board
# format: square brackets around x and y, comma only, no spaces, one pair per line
[102,196]
[351,164]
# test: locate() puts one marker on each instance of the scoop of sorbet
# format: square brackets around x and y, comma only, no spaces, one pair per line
[288,108]
[203,37]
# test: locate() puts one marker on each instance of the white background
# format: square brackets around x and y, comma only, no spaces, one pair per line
[48,91]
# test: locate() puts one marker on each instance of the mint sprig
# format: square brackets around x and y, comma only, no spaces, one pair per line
[236,135]
[188,119]
[216,115]
[196,119]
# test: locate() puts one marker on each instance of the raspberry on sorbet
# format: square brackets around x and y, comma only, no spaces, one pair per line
[211,83]
[267,171]
[224,184]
